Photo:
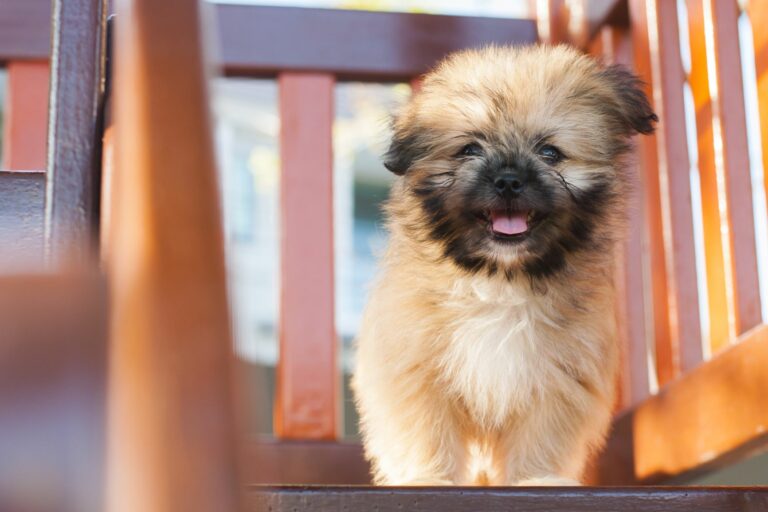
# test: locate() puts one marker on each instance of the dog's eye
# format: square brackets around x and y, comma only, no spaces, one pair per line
[473,149]
[550,154]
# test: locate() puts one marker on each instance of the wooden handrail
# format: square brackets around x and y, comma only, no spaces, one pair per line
[265,41]
[710,417]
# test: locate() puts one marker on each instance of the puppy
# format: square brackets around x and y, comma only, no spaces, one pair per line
[488,351]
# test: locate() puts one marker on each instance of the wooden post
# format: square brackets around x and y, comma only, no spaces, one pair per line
[74,129]
[171,435]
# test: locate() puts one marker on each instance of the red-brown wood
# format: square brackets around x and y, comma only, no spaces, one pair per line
[668,193]
[649,176]
[307,377]
[711,417]
[758,15]
[617,45]
[25,125]
[551,20]
[599,14]
[280,462]
[720,307]
[739,232]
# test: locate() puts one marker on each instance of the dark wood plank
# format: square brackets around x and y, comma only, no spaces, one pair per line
[74,149]
[25,29]
[356,45]
[53,361]
[278,462]
[352,44]
[306,402]
[712,416]
[172,434]
[457,499]
[22,205]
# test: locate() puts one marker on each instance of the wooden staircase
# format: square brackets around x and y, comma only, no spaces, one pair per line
[117,381]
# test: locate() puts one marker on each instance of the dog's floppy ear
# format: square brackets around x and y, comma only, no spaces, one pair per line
[401,154]
[634,108]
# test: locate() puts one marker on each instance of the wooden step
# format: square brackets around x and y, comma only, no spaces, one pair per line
[517,499]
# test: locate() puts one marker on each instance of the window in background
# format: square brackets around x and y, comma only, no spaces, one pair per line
[361,184]
[247,128]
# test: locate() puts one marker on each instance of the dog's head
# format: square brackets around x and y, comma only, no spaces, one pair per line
[511,156]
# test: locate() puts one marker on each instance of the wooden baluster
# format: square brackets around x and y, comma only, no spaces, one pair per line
[719,306]
[734,298]
[307,377]
[758,15]
[171,435]
[25,129]
[551,20]
[739,228]
[665,165]
[614,46]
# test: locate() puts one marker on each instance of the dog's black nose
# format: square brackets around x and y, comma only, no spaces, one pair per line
[509,184]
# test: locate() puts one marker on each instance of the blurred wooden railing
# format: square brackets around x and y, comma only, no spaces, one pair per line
[169,373]
[708,409]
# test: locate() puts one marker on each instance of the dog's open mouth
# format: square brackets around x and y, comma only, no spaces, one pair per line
[511,225]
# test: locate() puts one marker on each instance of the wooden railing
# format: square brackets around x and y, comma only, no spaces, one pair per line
[706,412]
[171,439]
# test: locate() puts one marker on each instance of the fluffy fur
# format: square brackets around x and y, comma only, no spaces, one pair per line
[490,359]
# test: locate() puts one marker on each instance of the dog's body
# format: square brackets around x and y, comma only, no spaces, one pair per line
[488,348]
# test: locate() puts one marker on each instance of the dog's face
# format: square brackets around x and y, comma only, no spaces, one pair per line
[511,157]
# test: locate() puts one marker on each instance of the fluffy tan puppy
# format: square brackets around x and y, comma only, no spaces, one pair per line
[488,349]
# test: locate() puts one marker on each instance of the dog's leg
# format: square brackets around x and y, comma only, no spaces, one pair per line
[551,445]
[412,441]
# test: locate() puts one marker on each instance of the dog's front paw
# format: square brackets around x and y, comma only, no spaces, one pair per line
[548,481]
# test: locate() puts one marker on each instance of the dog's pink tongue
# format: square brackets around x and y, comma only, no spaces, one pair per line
[509,223]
